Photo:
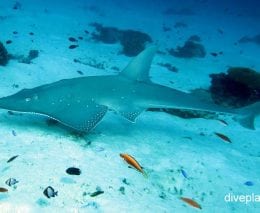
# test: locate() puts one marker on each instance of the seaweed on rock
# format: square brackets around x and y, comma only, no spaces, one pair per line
[239,87]
[132,41]
[28,59]
[108,35]
[191,49]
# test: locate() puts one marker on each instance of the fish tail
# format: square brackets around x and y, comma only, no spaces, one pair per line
[145,174]
[246,115]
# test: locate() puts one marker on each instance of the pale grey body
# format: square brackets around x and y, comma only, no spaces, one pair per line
[82,102]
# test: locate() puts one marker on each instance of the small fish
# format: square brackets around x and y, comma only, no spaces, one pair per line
[31,33]
[184,173]
[14,133]
[10,112]
[131,161]
[223,122]
[50,192]
[95,205]
[3,189]
[12,158]
[80,72]
[72,39]
[214,54]
[73,171]
[223,137]
[8,42]
[96,193]
[99,149]
[80,38]
[191,202]
[220,31]
[187,137]
[73,46]
[249,183]
[11,182]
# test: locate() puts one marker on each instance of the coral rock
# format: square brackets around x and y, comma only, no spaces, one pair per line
[3,55]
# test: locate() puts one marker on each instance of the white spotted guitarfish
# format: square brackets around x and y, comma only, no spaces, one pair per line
[81,103]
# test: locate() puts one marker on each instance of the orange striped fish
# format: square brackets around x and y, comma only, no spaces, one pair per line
[132,162]
[191,202]
[223,137]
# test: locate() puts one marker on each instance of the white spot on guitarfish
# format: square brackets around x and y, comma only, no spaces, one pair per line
[35,97]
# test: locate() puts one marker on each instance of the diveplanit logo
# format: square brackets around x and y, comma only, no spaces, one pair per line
[243,198]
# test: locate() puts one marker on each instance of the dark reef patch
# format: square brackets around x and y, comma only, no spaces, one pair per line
[180,24]
[165,28]
[195,38]
[254,39]
[168,66]
[33,54]
[107,35]
[132,41]
[191,49]
[17,6]
[239,87]
[4,57]
[92,62]
[28,59]
[215,54]
[181,12]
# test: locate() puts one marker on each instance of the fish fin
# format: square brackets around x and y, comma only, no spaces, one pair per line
[138,68]
[81,120]
[246,115]
[56,193]
[247,121]
[130,114]
[145,174]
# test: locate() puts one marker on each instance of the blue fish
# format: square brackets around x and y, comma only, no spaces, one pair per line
[249,183]
[11,182]
[14,133]
[184,173]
